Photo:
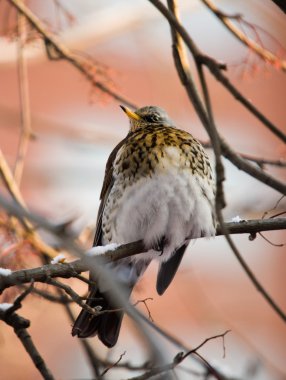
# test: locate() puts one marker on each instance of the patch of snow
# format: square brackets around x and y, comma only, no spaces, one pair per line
[100,250]
[5,306]
[58,259]
[237,219]
[5,272]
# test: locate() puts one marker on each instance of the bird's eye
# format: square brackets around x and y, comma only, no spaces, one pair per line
[154,118]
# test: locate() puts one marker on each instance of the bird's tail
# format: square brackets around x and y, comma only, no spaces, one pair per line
[107,325]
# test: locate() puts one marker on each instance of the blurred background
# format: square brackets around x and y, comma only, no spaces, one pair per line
[76,127]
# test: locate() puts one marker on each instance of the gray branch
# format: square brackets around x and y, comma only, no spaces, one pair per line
[67,270]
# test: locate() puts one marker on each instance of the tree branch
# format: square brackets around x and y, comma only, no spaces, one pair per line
[203,109]
[215,68]
[20,326]
[67,270]
[24,100]
[79,62]
[261,162]
[15,193]
[205,113]
[94,361]
[179,358]
[187,81]
[251,169]
[264,54]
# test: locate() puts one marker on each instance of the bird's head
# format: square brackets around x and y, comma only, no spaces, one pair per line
[147,116]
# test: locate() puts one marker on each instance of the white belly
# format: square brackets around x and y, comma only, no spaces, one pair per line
[169,204]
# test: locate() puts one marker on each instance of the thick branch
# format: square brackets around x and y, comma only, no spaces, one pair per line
[67,270]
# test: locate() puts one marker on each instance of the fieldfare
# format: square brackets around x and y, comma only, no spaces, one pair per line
[158,187]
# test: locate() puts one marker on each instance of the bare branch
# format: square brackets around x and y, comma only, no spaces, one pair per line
[78,61]
[242,99]
[24,100]
[261,162]
[206,341]
[203,110]
[215,68]
[112,365]
[67,270]
[14,191]
[62,299]
[179,358]
[146,306]
[264,54]
[94,360]
[205,113]
[250,169]
[20,326]
[74,296]
[187,81]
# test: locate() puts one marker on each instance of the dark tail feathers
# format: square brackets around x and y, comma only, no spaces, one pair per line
[106,326]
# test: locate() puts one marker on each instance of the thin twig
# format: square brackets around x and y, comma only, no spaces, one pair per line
[79,62]
[24,100]
[270,242]
[261,162]
[14,191]
[74,296]
[63,299]
[112,365]
[242,99]
[206,341]
[251,169]
[94,361]
[179,358]
[254,280]
[264,54]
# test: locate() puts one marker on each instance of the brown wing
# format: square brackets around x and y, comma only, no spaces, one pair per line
[106,188]
[106,326]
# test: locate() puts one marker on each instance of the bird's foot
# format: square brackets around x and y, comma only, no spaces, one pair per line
[160,245]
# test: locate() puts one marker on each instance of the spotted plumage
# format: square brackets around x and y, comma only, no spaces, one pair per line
[158,187]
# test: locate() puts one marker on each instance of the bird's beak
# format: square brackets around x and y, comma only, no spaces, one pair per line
[132,115]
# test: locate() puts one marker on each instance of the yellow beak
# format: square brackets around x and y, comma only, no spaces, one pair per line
[130,114]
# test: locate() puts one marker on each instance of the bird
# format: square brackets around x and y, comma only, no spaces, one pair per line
[159,188]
